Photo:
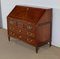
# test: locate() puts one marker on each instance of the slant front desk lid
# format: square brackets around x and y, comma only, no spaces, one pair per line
[29,14]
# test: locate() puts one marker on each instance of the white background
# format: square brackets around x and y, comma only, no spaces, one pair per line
[7,6]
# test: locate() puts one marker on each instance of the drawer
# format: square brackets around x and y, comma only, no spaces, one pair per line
[20,24]
[29,26]
[22,33]
[26,33]
[12,25]
[31,35]
[13,34]
[22,37]
[20,30]
[13,29]
[31,41]
[11,22]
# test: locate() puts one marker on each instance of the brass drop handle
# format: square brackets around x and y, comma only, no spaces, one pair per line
[20,31]
[13,34]
[27,33]
[27,39]
[30,40]
[31,34]
[20,36]
[29,27]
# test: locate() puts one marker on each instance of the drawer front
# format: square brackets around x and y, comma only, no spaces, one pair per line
[13,34]
[29,27]
[12,26]
[31,35]
[13,29]
[12,22]
[20,24]
[31,41]
[22,34]
[24,25]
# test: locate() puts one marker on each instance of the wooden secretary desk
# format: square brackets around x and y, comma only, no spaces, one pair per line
[31,25]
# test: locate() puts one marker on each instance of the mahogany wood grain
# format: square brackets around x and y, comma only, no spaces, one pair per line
[31,25]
